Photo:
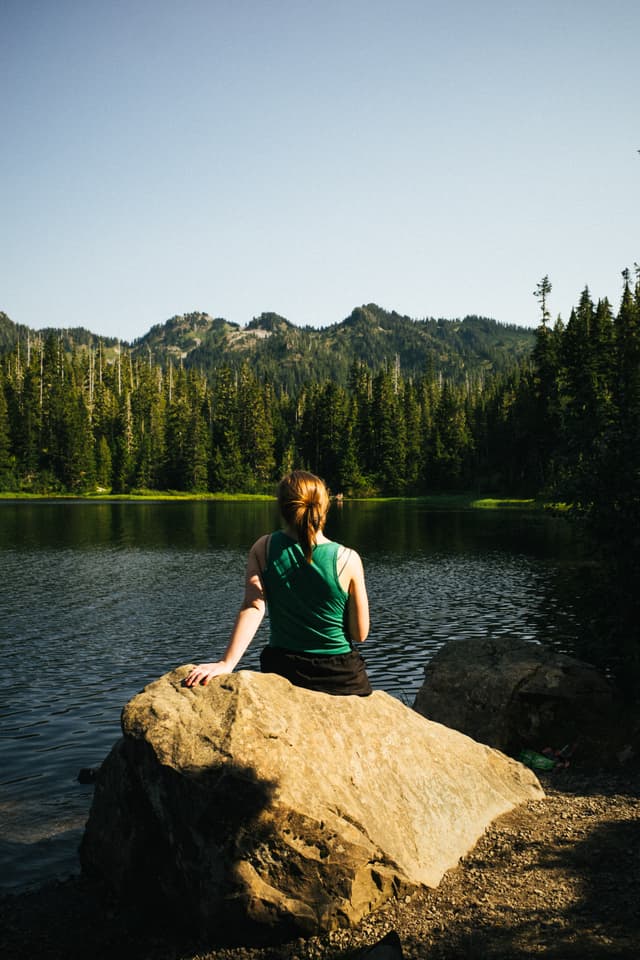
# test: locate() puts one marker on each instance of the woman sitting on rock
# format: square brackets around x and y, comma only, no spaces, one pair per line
[316,595]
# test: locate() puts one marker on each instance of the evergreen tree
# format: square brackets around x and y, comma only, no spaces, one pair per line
[226,470]
[351,480]
[360,391]
[412,415]
[78,469]
[123,458]
[198,438]
[606,483]
[7,460]
[451,444]
[104,475]
[255,432]
[627,360]
[545,437]
[322,429]
[28,429]
[541,293]
[389,433]
[179,432]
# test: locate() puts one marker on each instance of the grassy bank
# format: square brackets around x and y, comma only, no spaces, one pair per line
[436,501]
[136,495]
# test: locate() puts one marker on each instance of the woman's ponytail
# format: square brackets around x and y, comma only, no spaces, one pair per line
[304,501]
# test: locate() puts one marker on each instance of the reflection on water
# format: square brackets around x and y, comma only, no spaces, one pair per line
[98,599]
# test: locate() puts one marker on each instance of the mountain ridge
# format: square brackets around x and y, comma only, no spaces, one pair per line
[280,350]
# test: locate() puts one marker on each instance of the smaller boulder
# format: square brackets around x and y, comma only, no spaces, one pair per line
[513,694]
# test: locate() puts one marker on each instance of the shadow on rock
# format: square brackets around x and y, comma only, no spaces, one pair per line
[172,851]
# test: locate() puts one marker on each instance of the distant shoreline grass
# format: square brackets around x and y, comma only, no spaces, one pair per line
[436,501]
[137,496]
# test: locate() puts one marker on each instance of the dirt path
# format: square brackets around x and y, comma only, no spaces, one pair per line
[556,878]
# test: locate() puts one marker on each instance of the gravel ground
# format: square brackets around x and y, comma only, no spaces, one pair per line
[558,877]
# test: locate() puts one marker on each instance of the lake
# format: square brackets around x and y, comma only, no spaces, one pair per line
[99,598]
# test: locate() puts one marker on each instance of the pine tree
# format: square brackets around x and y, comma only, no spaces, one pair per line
[198,437]
[545,438]
[389,433]
[627,359]
[123,459]
[255,432]
[452,440]
[611,504]
[178,432]
[7,460]
[412,416]
[226,471]
[55,400]
[541,293]
[360,390]
[321,431]
[103,465]
[351,480]
[78,468]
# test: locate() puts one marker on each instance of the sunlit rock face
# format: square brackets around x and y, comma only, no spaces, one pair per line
[253,809]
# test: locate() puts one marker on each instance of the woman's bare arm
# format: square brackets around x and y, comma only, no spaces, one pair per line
[247,622]
[352,578]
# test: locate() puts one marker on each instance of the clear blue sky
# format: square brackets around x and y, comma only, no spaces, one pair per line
[308,156]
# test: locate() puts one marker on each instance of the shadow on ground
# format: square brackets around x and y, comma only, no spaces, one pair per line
[566,898]
[561,879]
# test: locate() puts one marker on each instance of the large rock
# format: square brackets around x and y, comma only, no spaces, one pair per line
[512,694]
[251,805]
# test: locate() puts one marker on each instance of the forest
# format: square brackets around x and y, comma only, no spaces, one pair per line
[92,417]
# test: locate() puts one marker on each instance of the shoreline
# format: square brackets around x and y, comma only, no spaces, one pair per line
[553,878]
[445,501]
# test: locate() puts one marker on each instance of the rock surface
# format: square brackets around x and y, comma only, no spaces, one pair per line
[554,878]
[254,808]
[513,694]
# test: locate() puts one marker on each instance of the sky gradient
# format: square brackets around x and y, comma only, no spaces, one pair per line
[239,156]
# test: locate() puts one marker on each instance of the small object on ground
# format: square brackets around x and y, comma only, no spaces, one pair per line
[625,754]
[537,761]
[389,948]
[88,774]
[560,756]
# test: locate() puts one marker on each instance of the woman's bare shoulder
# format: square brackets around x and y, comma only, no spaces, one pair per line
[350,566]
[261,541]
[258,552]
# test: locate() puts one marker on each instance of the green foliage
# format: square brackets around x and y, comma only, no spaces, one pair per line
[587,433]
[291,357]
[100,419]
[7,460]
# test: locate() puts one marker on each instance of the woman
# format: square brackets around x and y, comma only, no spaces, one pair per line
[316,595]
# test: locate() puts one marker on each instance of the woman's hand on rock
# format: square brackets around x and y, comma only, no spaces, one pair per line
[204,672]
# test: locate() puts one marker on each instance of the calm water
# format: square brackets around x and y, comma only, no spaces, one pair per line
[97,599]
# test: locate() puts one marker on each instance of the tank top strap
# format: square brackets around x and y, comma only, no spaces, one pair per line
[342,559]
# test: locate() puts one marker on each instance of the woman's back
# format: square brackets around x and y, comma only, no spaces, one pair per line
[317,600]
[306,601]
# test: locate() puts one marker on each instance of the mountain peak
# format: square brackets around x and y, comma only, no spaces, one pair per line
[269,322]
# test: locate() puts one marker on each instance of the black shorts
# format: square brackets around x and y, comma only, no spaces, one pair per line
[342,674]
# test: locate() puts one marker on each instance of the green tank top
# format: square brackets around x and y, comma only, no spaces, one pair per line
[307,605]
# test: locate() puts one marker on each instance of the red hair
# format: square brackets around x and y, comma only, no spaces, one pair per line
[303,500]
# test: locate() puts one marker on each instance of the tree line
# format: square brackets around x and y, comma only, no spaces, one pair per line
[588,432]
[75,422]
